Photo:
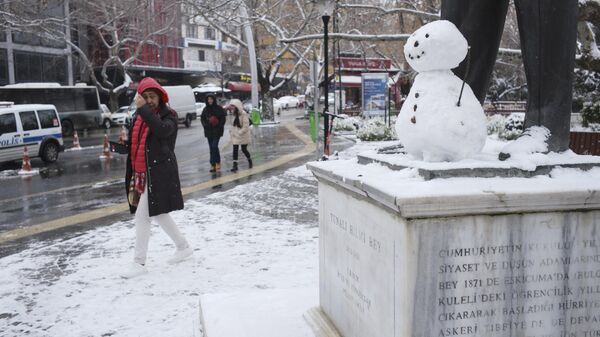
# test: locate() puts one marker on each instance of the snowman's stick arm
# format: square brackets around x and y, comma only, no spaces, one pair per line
[465,76]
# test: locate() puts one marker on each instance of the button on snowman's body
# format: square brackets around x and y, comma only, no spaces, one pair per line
[430,125]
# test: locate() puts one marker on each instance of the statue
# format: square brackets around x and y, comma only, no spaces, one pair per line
[548,33]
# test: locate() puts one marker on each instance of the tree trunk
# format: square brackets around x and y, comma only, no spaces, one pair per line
[113,101]
[267,106]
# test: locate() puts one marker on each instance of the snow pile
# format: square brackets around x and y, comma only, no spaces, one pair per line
[432,125]
[533,140]
[508,128]
[495,124]
[347,123]
[375,129]
[9,174]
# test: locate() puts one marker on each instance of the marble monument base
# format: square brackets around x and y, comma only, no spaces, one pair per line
[406,257]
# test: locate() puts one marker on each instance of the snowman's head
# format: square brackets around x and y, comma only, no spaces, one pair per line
[438,45]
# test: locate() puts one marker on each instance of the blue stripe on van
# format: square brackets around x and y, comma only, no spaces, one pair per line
[40,138]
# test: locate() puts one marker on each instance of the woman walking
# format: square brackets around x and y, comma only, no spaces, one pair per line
[240,133]
[213,120]
[152,178]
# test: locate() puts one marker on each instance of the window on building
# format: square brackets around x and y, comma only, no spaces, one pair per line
[3,67]
[8,123]
[191,31]
[209,33]
[35,67]
[28,120]
[201,55]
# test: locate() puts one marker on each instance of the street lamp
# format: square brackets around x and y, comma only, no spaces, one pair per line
[326,8]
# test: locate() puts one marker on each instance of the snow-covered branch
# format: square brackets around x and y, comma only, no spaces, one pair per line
[349,37]
[385,11]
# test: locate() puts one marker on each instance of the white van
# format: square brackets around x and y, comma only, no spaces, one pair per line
[35,125]
[182,100]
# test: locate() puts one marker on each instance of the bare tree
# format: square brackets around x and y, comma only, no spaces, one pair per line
[272,22]
[112,33]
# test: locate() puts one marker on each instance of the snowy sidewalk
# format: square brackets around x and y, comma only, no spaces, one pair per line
[260,235]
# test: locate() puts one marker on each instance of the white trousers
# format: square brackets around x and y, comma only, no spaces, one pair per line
[142,229]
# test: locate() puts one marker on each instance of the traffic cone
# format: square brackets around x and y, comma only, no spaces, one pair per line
[76,145]
[26,167]
[106,151]
[123,136]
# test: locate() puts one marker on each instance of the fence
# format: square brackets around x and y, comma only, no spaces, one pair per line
[585,143]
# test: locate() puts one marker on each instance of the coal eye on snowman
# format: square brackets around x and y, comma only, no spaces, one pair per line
[427,35]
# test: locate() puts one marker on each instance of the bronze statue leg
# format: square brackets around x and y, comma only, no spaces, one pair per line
[548,32]
[481,22]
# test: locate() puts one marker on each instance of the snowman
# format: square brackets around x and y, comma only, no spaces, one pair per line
[433,125]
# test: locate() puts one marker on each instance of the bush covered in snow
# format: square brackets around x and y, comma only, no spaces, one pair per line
[375,129]
[508,128]
[586,88]
[347,123]
[495,124]
[590,114]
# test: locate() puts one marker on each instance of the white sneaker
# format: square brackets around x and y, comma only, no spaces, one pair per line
[134,270]
[180,255]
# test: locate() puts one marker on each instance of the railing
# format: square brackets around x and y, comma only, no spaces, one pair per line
[504,107]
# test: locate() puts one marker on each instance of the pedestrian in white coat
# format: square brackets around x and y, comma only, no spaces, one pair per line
[240,133]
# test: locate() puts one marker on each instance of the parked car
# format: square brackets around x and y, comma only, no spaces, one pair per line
[199,108]
[122,116]
[331,99]
[289,102]
[19,127]
[106,117]
[182,100]
[276,106]
[301,100]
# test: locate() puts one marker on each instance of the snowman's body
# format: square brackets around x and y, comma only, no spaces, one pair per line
[431,125]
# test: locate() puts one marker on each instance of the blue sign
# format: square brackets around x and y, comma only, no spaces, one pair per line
[374,94]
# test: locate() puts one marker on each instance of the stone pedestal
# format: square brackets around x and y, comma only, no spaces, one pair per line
[404,257]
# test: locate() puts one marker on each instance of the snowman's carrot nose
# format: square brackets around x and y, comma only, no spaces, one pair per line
[465,76]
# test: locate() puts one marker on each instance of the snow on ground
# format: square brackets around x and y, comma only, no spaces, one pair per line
[260,235]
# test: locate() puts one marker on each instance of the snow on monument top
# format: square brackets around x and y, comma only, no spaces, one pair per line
[438,45]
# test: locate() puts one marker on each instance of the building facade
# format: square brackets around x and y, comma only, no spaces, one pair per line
[33,57]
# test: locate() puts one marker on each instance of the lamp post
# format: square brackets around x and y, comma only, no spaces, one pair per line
[326,8]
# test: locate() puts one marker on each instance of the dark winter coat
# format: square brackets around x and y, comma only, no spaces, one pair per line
[162,174]
[216,111]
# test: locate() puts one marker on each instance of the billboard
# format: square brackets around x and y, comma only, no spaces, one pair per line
[374,94]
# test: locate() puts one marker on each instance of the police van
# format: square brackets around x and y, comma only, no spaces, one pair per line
[36,126]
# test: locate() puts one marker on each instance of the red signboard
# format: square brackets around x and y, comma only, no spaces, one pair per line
[349,63]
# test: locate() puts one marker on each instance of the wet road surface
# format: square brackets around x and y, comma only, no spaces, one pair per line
[80,181]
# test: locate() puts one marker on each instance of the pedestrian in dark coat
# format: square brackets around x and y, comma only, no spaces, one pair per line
[213,119]
[152,177]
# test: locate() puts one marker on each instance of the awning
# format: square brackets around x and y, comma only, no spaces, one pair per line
[207,88]
[350,81]
[240,86]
